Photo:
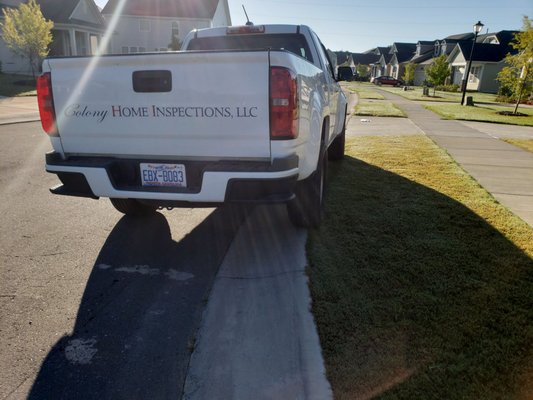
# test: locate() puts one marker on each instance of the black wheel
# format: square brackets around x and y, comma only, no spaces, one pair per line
[307,209]
[132,207]
[336,149]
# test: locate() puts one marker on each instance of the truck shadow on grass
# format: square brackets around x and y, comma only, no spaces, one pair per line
[141,308]
[416,296]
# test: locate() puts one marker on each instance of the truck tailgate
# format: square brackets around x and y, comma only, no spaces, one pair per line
[169,105]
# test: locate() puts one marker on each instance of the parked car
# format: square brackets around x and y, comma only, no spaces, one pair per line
[345,74]
[387,80]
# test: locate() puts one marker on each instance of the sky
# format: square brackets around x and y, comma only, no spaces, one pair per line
[358,26]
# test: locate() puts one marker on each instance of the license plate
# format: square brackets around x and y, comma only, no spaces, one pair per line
[168,175]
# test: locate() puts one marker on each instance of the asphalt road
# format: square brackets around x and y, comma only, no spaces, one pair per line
[94,303]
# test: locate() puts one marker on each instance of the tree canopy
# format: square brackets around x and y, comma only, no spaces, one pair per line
[438,71]
[516,77]
[409,73]
[26,32]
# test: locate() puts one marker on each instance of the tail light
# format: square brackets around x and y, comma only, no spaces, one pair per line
[45,100]
[283,104]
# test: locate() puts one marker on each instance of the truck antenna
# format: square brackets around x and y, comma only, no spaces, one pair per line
[248,22]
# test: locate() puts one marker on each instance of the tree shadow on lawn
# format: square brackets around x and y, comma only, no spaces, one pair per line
[416,296]
[138,317]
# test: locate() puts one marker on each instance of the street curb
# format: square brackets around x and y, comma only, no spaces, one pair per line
[19,120]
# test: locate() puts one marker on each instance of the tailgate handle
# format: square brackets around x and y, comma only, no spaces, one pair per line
[157,81]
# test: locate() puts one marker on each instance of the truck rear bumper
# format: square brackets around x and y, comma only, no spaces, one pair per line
[209,183]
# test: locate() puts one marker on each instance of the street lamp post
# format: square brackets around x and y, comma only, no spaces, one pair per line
[477,28]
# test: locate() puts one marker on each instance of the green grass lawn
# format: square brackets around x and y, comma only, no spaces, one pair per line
[422,283]
[378,109]
[526,144]
[364,91]
[16,85]
[484,113]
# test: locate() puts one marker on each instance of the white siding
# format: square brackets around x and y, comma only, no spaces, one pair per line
[458,74]
[489,84]
[420,74]
[85,11]
[12,63]
[128,32]
[222,16]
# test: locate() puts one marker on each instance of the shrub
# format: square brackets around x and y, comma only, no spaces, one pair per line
[448,88]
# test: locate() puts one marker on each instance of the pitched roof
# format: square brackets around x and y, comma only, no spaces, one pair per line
[365,58]
[504,37]
[423,57]
[485,51]
[382,50]
[403,47]
[403,51]
[385,58]
[204,9]
[459,37]
[60,11]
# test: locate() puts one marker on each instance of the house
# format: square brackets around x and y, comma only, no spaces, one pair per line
[150,25]
[78,29]
[355,60]
[392,59]
[379,67]
[401,55]
[488,59]
[364,59]
[446,45]
[422,58]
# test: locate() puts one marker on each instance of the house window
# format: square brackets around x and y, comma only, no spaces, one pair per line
[475,74]
[133,49]
[145,25]
[124,49]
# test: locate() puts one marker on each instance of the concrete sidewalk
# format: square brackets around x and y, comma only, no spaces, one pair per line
[504,170]
[18,109]
[258,339]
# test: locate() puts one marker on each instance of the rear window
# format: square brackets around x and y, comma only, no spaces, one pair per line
[295,43]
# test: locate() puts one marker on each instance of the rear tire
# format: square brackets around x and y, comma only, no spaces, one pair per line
[132,207]
[336,149]
[307,209]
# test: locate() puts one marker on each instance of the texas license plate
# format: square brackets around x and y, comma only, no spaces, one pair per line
[169,175]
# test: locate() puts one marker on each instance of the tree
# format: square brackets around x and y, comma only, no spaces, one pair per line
[409,73]
[362,70]
[26,32]
[175,43]
[438,71]
[517,76]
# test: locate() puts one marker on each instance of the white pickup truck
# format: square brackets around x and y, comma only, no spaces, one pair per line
[243,114]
